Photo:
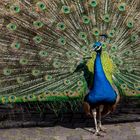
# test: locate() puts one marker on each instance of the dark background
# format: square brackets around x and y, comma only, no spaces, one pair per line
[38,114]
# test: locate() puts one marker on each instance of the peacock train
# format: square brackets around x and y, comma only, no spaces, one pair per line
[76,51]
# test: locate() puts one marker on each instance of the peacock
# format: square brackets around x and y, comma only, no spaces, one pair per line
[102,98]
[70,52]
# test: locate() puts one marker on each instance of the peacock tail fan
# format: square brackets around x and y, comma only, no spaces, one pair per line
[43,42]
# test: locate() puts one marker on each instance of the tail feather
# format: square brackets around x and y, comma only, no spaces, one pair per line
[42,43]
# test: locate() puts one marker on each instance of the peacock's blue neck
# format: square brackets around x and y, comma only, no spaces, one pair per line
[98,69]
[99,74]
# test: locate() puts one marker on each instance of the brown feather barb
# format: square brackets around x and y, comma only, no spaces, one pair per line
[46,46]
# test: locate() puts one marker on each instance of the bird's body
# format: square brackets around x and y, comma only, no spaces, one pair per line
[102,98]
[46,52]
[101,91]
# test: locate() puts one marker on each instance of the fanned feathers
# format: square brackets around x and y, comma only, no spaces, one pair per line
[43,42]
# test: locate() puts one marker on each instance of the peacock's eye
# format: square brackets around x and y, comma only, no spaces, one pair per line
[61,26]
[93,3]
[38,24]
[95,31]
[15,8]
[15,45]
[130,24]
[80,83]
[82,35]
[12,97]
[106,18]
[23,61]
[85,19]
[43,53]
[12,26]
[37,39]
[104,45]
[47,77]
[41,6]
[66,9]
[36,72]
[62,41]
[7,71]
[122,7]
[134,37]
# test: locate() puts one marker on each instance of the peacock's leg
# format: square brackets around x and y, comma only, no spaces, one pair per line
[94,113]
[101,107]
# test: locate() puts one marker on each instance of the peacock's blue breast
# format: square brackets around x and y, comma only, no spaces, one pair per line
[102,90]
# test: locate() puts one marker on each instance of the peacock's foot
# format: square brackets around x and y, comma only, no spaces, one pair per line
[103,129]
[90,129]
[97,133]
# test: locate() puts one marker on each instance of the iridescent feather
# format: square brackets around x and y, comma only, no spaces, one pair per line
[42,43]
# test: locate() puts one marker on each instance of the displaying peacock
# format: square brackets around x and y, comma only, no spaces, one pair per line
[66,50]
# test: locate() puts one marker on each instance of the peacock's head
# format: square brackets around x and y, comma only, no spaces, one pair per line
[97,47]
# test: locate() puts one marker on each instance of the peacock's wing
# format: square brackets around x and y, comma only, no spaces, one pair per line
[42,42]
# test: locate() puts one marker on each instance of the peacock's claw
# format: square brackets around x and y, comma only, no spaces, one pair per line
[103,129]
[91,129]
[97,133]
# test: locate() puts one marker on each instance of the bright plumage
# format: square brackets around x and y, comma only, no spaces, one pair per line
[42,44]
[101,90]
[102,97]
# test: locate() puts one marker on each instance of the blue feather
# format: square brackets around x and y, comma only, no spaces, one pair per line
[102,91]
